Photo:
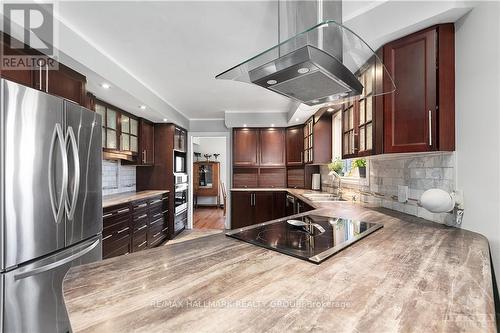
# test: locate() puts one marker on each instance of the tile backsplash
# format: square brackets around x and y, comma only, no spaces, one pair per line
[117,178]
[419,172]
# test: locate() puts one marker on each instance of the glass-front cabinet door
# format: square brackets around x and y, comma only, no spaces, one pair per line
[129,133]
[205,176]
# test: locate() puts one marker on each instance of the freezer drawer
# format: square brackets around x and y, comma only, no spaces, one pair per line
[32,294]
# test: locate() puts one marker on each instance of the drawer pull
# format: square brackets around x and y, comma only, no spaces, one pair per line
[141,205]
[141,228]
[123,230]
[107,215]
[142,244]
[163,199]
[156,201]
[141,217]
[165,211]
[156,221]
[157,234]
[125,210]
[156,215]
[164,229]
[108,236]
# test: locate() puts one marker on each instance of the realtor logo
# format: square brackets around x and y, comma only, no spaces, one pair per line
[29,36]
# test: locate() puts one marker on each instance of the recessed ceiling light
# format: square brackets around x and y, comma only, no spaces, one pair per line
[142,107]
[303,70]
[270,82]
[165,119]
[329,109]
[244,125]
[297,119]
[272,125]
[105,85]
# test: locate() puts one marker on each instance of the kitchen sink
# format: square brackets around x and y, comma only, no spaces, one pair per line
[322,197]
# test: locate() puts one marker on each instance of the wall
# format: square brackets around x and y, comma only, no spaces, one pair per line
[211,146]
[477,82]
[117,178]
[419,172]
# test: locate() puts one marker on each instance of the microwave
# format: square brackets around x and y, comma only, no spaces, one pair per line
[179,162]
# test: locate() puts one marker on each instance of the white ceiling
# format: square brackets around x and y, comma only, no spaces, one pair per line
[175,49]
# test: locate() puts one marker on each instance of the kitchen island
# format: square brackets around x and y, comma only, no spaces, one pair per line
[411,275]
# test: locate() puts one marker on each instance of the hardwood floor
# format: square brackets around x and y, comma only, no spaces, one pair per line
[208,218]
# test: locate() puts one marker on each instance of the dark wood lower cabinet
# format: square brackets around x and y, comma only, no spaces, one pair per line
[252,207]
[134,226]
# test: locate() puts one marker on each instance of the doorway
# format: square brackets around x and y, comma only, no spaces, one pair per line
[209,178]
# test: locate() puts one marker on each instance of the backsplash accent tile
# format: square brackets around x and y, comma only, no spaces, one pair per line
[117,178]
[419,172]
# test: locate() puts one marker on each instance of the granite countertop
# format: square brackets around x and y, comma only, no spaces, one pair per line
[411,275]
[121,198]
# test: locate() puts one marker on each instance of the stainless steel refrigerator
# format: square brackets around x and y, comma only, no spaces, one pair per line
[50,204]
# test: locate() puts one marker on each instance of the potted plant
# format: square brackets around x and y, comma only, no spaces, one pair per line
[361,165]
[337,166]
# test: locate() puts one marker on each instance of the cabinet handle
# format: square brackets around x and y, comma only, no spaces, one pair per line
[108,236]
[155,202]
[141,205]
[47,77]
[156,215]
[165,211]
[141,228]
[123,230]
[107,215]
[156,221]
[141,217]
[125,210]
[164,229]
[157,234]
[301,157]
[142,244]
[430,128]
[143,156]
[40,77]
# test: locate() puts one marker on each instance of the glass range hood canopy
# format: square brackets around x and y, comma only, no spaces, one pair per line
[327,63]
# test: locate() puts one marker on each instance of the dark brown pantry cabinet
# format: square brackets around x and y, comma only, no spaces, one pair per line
[146,143]
[420,115]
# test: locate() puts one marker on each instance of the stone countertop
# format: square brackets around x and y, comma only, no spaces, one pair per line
[121,198]
[411,275]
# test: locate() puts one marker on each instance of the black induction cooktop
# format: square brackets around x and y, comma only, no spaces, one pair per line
[313,237]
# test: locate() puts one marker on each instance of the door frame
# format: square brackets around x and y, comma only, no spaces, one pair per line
[227,137]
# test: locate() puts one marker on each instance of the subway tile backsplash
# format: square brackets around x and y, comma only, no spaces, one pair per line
[419,172]
[117,178]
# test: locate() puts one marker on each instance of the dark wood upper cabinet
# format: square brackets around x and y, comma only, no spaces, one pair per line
[322,139]
[419,115]
[295,145]
[245,147]
[272,147]
[146,143]
[63,82]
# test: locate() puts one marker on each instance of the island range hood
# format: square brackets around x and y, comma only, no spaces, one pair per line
[317,60]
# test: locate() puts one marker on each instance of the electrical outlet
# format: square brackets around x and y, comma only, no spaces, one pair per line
[402,194]
[459,199]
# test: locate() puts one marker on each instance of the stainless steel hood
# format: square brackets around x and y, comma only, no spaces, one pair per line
[317,60]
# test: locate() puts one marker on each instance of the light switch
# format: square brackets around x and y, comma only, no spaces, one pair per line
[403,194]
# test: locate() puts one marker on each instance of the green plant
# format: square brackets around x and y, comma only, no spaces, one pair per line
[359,163]
[336,165]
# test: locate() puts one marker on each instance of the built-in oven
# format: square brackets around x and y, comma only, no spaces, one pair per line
[181,198]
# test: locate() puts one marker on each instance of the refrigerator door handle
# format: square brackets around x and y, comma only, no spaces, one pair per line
[58,210]
[71,139]
[56,264]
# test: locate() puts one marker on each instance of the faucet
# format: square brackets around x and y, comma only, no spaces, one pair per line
[334,175]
